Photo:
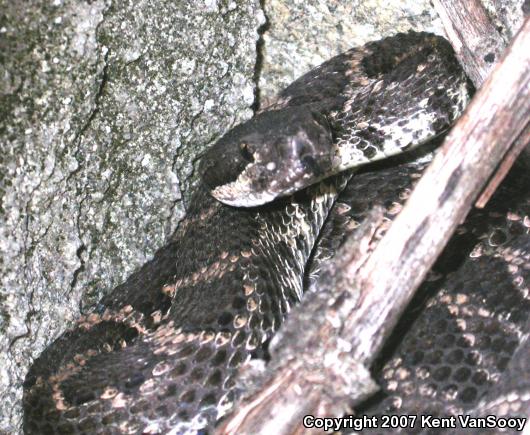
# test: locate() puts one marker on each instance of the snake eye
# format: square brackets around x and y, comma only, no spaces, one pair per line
[311,165]
[245,152]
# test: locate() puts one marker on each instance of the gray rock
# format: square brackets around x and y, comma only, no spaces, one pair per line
[508,15]
[105,107]
[303,34]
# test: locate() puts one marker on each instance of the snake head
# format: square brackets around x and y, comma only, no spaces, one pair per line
[273,154]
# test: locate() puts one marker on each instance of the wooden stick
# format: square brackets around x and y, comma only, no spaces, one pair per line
[509,159]
[355,332]
[476,41]
[478,45]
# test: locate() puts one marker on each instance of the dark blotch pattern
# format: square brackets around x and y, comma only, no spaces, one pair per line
[166,346]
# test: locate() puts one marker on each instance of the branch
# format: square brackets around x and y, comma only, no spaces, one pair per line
[509,159]
[328,355]
[478,45]
[476,41]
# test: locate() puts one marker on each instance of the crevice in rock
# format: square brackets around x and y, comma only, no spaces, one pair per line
[260,53]
[75,276]
[101,87]
[103,80]
[81,249]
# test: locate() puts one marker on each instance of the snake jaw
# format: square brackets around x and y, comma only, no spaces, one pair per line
[241,193]
[261,183]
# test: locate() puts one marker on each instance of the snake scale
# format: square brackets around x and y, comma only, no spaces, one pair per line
[161,352]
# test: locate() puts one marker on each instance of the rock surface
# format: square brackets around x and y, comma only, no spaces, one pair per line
[508,15]
[104,108]
[303,34]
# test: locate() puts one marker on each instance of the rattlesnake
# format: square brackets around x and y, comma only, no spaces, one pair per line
[162,352]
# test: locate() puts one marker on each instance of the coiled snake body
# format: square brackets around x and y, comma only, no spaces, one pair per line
[162,351]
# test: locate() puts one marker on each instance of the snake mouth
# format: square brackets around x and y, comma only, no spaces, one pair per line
[241,194]
[260,183]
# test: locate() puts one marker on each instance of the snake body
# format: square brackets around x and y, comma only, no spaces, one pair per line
[162,352]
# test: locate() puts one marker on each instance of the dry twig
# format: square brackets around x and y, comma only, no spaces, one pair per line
[509,159]
[476,41]
[478,45]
